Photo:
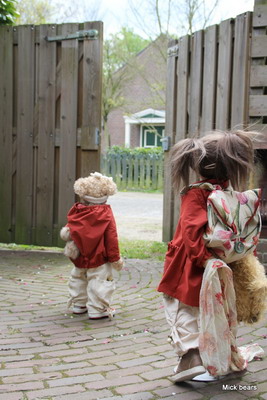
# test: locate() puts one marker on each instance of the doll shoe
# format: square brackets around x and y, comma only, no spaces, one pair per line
[109,313]
[79,309]
[206,377]
[190,365]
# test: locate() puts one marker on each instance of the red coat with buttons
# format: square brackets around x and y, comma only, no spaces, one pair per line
[93,229]
[183,268]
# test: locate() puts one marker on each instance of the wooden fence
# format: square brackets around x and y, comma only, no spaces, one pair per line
[217,79]
[50,116]
[134,172]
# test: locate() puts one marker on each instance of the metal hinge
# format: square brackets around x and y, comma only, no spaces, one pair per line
[173,51]
[90,34]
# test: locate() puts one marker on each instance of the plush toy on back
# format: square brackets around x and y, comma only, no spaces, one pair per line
[251,289]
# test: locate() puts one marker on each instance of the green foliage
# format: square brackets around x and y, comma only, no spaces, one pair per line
[8,13]
[118,50]
[137,151]
[121,47]
[34,12]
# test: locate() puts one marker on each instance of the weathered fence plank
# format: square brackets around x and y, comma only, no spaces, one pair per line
[209,79]
[6,88]
[240,76]
[46,138]
[258,75]
[182,120]
[260,15]
[258,105]
[68,107]
[171,112]
[224,75]
[195,83]
[91,100]
[24,148]
[182,88]
[259,46]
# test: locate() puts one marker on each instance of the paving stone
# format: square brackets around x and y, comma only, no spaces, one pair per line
[75,379]
[136,396]
[145,386]
[46,393]
[14,372]
[107,383]
[139,361]
[21,386]
[33,377]
[88,395]
[12,396]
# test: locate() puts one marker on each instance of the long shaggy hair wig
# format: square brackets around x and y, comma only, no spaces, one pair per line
[218,155]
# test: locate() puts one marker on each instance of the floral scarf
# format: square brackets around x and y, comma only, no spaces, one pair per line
[218,323]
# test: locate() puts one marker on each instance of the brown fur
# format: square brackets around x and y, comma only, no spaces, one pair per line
[250,284]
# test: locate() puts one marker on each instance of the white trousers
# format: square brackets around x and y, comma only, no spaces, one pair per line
[92,287]
[184,323]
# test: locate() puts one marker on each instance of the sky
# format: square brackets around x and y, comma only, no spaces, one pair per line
[118,13]
[115,13]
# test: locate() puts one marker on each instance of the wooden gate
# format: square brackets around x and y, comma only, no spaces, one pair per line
[50,119]
[217,79]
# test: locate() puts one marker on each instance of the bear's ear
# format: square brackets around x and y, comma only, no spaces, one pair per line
[96,175]
[65,233]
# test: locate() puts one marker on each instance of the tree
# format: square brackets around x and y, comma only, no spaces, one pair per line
[34,12]
[8,12]
[57,11]
[77,11]
[172,17]
[119,51]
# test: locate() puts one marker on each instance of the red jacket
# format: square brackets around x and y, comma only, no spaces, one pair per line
[183,268]
[93,229]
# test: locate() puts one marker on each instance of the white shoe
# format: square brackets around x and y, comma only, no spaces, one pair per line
[109,313]
[79,309]
[190,365]
[206,377]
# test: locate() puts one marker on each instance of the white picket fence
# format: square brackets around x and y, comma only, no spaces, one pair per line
[134,172]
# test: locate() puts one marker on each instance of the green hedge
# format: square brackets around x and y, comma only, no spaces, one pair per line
[137,151]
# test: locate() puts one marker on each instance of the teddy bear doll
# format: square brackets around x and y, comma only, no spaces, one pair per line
[250,285]
[92,246]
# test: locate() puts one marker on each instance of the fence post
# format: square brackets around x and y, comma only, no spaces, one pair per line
[148,173]
[142,173]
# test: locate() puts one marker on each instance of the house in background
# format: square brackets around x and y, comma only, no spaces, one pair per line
[145,128]
[140,121]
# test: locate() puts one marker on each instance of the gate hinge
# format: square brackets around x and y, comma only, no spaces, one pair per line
[90,34]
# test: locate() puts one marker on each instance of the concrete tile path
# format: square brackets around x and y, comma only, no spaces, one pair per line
[47,353]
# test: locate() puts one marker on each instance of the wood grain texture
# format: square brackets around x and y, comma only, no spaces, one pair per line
[6,102]
[46,137]
[25,124]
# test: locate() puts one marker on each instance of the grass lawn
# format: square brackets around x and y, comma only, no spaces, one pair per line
[140,249]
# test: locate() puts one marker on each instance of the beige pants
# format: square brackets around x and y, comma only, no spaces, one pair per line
[92,287]
[184,323]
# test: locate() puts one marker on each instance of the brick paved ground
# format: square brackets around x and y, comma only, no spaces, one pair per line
[47,353]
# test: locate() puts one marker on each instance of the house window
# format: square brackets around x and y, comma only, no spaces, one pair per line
[151,136]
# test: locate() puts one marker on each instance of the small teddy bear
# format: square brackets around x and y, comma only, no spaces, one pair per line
[92,245]
[250,285]
[92,190]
